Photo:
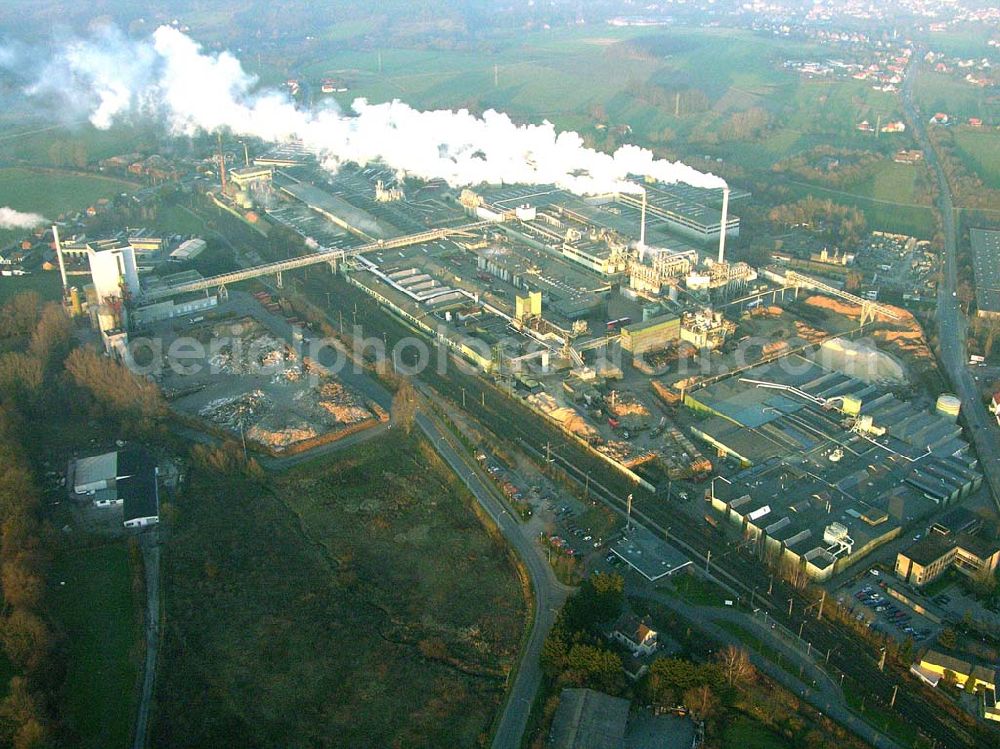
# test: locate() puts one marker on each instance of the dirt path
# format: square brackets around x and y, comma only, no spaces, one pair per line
[149,542]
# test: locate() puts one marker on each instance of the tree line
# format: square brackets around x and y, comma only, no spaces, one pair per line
[44,378]
[840,225]
[576,653]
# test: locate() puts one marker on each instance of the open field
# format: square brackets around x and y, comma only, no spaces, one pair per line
[354,601]
[28,140]
[941,92]
[540,75]
[93,598]
[174,219]
[52,193]
[698,591]
[45,283]
[979,149]
[744,733]
[883,215]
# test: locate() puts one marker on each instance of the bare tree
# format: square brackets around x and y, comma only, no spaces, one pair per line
[701,701]
[404,405]
[735,665]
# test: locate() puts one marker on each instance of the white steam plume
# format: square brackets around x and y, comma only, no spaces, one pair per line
[169,76]
[11,219]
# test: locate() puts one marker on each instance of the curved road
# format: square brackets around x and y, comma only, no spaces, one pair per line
[817,688]
[549,592]
[951,321]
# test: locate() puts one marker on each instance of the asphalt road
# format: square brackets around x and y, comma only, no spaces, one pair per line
[815,687]
[549,592]
[149,542]
[983,430]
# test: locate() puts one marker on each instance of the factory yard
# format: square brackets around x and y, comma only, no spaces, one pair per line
[258,385]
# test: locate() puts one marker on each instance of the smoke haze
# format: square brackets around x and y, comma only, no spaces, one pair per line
[11,219]
[169,77]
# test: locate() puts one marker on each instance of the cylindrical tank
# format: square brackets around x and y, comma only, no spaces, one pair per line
[949,405]
[75,306]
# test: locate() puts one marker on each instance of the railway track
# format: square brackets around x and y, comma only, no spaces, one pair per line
[849,654]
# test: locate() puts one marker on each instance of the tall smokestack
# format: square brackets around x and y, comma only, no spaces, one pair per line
[722,225]
[642,222]
[222,165]
[59,257]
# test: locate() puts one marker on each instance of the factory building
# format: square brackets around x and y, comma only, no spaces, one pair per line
[687,212]
[705,329]
[560,224]
[653,334]
[345,215]
[114,273]
[932,666]
[986,257]
[145,242]
[79,246]
[188,250]
[527,307]
[250,178]
[292,153]
[831,467]
[663,269]
[929,558]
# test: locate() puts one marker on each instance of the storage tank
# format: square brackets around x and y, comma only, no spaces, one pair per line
[75,305]
[949,405]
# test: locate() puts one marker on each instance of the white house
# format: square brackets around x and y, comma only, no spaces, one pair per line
[635,634]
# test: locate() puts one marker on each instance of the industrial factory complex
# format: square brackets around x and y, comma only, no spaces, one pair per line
[587,309]
[833,466]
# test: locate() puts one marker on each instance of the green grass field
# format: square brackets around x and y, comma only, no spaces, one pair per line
[744,733]
[52,193]
[99,611]
[941,92]
[174,219]
[699,591]
[980,149]
[884,215]
[885,720]
[560,75]
[45,283]
[356,596]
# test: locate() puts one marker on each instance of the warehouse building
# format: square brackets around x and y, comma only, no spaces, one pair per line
[188,250]
[831,467]
[126,479]
[986,257]
[345,215]
[586,719]
[685,211]
[252,178]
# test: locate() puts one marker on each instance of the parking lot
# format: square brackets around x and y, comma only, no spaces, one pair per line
[584,529]
[869,602]
[570,526]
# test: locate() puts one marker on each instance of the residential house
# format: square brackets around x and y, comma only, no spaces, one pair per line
[635,634]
